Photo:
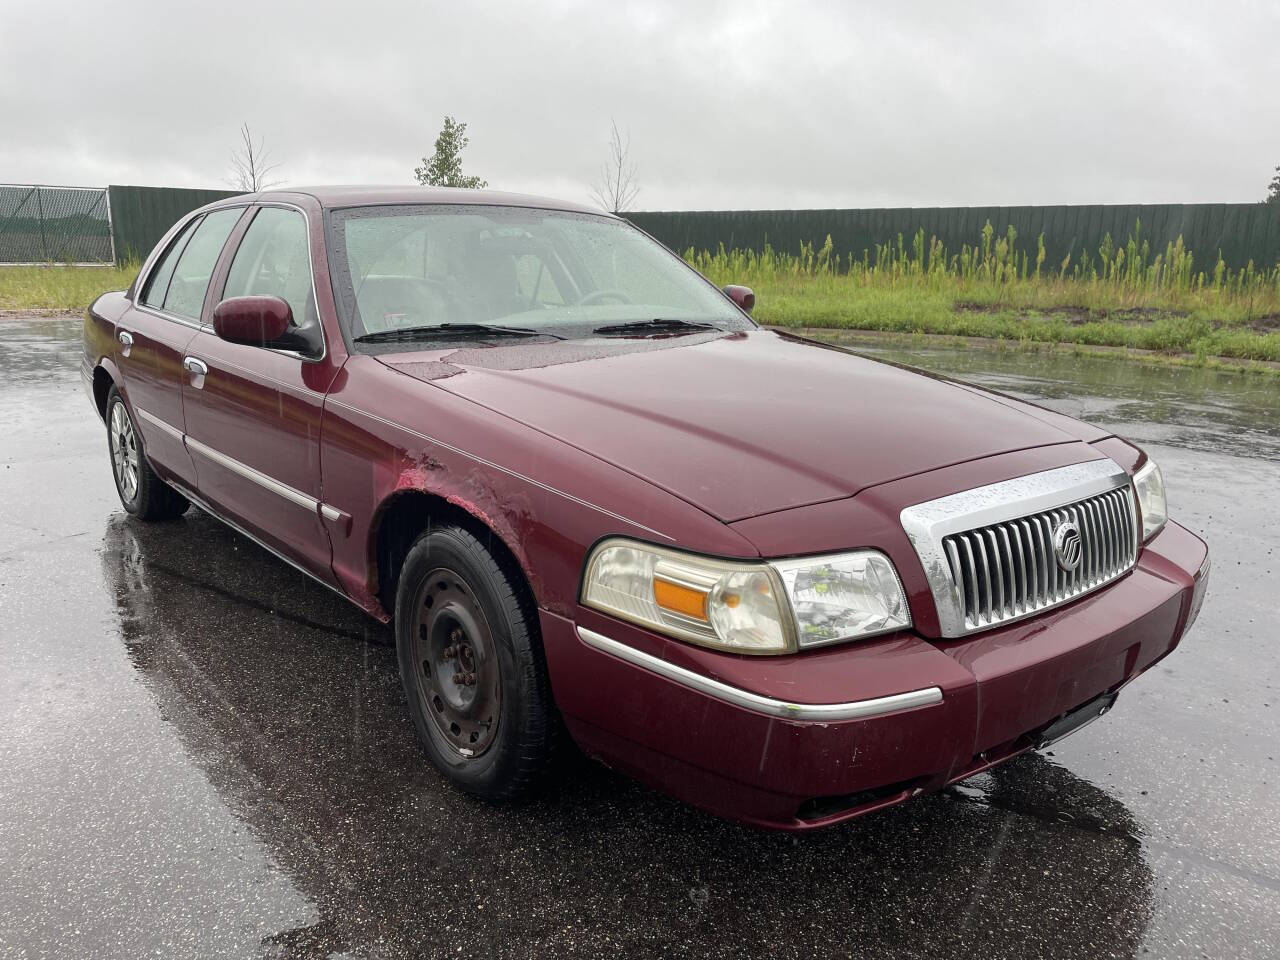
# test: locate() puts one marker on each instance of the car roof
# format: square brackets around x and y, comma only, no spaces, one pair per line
[392,195]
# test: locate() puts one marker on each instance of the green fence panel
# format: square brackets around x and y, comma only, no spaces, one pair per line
[1241,231]
[140,216]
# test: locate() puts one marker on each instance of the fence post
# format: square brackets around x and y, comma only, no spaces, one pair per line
[44,244]
[111,227]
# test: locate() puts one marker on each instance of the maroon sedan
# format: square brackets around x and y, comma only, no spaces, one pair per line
[780,581]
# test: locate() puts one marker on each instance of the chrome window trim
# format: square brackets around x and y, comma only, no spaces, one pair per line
[499,467]
[171,317]
[158,251]
[736,696]
[927,524]
[145,273]
[311,266]
[160,248]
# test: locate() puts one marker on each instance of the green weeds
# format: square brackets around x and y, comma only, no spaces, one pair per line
[1122,295]
[60,287]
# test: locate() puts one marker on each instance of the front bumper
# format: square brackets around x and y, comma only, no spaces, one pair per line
[805,741]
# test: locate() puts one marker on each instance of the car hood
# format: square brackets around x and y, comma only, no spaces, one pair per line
[741,424]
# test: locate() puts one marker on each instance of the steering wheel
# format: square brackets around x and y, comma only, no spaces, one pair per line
[598,296]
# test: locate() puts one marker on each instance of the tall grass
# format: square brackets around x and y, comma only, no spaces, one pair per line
[1122,294]
[60,287]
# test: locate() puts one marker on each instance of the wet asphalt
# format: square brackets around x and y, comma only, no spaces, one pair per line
[205,754]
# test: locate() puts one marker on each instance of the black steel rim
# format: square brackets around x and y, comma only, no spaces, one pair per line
[459,679]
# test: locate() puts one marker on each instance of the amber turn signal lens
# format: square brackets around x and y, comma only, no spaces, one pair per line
[710,601]
[678,598]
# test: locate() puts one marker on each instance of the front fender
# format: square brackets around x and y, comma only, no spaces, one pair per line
[386,435]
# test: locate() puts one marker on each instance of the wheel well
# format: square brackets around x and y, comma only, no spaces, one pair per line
[102,384]
[409,514]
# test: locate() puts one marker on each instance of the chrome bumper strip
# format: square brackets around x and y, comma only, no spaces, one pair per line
[821,712]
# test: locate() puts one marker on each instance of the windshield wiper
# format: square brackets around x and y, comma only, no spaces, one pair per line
[657,325]
[451,329]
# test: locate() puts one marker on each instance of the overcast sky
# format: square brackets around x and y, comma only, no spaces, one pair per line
[728,105]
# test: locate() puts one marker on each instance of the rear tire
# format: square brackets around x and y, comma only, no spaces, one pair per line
[472,667]
[141,491]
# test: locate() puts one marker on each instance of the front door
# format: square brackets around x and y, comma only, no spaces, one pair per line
[153,333]
[253,413]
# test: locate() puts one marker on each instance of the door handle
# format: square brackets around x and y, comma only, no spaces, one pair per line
[197,368]
[126,341]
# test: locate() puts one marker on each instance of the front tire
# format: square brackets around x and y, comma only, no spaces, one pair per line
[471,664]
[141,491]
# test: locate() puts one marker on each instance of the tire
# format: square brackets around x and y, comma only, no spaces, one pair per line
[142,493]
[472,668]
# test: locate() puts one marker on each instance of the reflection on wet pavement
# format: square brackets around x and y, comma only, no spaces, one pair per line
[1190,408]
[302,732]
[207,754]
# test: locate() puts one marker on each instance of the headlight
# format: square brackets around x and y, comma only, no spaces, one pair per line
[844,596]
[747,607]
[1148,483]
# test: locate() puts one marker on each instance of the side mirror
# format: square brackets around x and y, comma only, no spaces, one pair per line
[742,296]
[256,321]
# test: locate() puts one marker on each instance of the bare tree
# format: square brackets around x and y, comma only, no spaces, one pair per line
[251,164]
[617,188]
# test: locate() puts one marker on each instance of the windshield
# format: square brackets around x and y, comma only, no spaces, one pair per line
[563,274]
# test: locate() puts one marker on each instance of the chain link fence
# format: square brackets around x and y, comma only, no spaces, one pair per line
[41,224]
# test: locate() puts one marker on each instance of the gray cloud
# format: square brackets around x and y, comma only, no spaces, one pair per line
[728,104]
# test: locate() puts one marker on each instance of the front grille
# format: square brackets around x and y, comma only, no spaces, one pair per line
[1007,570]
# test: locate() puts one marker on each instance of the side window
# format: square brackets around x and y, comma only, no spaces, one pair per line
[158,282]
[273,259]
[195,266]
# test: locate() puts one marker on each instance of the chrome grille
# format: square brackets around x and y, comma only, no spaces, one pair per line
[988,552]
[1007,570]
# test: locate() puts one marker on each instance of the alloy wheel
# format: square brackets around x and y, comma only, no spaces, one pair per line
[125,457]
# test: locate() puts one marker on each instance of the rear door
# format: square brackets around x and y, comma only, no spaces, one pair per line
[253,413]
[153,333]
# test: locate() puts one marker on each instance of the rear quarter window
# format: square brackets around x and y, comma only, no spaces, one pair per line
[158,283]
[195,265]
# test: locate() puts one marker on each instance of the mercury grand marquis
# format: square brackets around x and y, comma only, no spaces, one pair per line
[780,581]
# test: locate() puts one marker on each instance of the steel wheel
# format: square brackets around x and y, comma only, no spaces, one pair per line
[125,459]
[460,682]
[471,664]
